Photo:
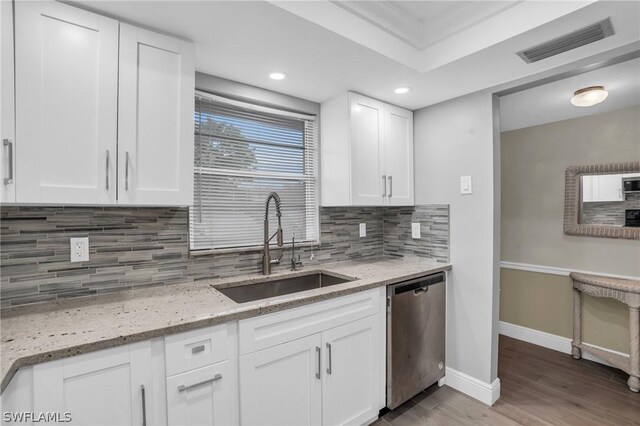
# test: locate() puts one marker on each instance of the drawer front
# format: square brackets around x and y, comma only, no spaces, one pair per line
[198,348]
[273,329]
[206,396]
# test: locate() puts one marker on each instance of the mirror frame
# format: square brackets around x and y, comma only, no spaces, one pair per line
[572,225]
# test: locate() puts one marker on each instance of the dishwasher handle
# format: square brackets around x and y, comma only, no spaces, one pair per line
[418,285]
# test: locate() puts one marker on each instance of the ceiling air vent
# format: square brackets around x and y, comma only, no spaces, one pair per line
[568,42]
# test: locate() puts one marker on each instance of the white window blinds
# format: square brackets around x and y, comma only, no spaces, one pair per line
[242,153]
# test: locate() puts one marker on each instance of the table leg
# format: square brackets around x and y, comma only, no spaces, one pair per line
[634,349]
[577,324]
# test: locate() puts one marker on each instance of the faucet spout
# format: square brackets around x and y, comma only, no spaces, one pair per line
[266,259]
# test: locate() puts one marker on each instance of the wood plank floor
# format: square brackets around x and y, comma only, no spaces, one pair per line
[538,387]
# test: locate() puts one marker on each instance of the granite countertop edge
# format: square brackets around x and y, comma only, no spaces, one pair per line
[231,311]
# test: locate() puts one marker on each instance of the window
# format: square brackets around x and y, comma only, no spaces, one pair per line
[242,153]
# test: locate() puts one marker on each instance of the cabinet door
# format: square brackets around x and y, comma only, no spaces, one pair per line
[352,374]
[368,183]
[608,188]
[66,104]
[7,123]
[155,126]
[206,396]
[282,385]
[398,141]
[109,387]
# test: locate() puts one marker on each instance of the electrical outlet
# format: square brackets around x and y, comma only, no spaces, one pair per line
[363,230]
[415,230]
[79,249]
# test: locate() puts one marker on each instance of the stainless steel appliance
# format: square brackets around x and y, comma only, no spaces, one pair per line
[415,336]
[631,184]
[632,217]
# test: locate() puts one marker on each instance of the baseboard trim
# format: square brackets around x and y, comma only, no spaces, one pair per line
[550,341]
[487,393]
[552,270]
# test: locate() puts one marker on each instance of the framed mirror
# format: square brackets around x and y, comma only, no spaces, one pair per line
[603,200]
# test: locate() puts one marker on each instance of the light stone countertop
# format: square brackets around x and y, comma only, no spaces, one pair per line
[37,333]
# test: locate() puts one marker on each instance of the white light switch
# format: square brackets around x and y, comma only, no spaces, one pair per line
[466,185]
[415,230]
[79,249]
[363,230]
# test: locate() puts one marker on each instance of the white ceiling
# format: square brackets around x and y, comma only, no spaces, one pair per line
[424,23]
[326,49]
[550,102]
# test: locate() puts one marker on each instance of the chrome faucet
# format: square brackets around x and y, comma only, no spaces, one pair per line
[266,258]
[294,262]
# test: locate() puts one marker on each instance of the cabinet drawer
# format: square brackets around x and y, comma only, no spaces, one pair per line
[269,330]
[206,396]
[198,348]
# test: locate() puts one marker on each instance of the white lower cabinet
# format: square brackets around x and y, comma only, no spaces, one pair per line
[206,396]
[334,376]
[351,378]
[319,364]
[281,385]
[109,387]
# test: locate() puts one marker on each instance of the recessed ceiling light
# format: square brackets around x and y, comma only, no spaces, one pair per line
[278,75]
[589,96]
[402,90]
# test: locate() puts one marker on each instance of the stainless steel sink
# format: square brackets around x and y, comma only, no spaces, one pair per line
[282,286]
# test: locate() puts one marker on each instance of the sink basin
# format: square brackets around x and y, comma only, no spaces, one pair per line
[282,286]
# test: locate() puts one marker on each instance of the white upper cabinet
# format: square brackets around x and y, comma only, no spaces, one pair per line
[155,126]
[399,155]
[367,153]
[602,188]
[66,104]
[7,117]
[104,111]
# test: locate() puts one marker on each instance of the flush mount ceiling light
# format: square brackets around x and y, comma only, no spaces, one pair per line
[402,90]
[589,96]
[277,75]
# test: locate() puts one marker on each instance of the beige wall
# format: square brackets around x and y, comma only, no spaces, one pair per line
[544,302]
[533,162]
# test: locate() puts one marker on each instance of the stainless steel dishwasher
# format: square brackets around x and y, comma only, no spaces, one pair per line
[415,336]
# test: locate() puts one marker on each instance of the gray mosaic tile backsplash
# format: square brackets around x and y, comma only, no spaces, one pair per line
[609,213]
[133,248]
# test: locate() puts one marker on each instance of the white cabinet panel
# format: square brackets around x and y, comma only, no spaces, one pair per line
[7,111]
[282,385]
[108,387]
[155,127]
[399,155]
[206,396]
[367,151]
[602,188]
[66,104]
[352,382]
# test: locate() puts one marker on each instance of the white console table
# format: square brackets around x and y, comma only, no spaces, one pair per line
[627,292]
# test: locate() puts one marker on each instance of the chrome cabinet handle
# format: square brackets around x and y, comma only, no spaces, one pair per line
[384,185]
[107,185]
[144,406]
[318,356]
[390,186]
[183,388]
[197,349]
[9,143]
[329,358]
[126,171]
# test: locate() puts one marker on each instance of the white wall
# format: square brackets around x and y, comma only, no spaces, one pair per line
[453,139]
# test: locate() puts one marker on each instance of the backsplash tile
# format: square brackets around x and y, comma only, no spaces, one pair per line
[609,213]
[132,248]
[434,230]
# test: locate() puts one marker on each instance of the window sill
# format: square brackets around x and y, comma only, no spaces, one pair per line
[252,249]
